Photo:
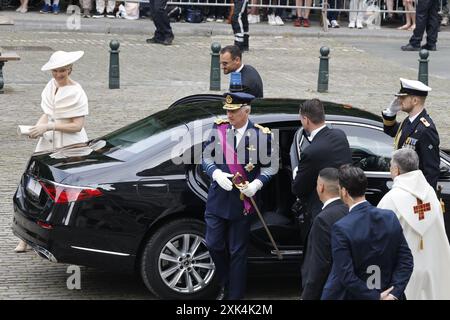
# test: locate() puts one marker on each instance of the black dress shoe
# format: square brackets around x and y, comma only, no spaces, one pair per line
[409,47]
[222,295]
[167,41]
[429,47]
[153,40]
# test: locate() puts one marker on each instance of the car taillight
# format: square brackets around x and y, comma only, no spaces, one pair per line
[44,225]
[64,194]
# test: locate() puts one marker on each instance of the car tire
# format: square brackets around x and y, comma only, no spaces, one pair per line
[171,271]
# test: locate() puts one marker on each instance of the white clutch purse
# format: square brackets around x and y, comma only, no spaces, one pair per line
[23,130]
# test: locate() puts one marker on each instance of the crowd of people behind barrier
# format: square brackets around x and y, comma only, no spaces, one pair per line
[274,16]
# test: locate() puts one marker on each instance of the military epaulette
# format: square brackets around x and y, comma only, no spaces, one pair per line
[220,121]
[425,122]
[263,129]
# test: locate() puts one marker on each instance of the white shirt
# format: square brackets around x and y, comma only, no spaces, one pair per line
[314,132]
[411,119]
[329,201]
[240,68]
[349,210]
[240,132]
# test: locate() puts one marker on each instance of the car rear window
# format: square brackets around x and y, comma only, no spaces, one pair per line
[143,134]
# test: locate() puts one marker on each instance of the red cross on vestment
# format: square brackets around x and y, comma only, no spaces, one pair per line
[421,208]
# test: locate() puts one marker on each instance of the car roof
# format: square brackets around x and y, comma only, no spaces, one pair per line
[264,110]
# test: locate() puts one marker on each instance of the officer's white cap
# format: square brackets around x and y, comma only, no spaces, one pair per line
[412,87]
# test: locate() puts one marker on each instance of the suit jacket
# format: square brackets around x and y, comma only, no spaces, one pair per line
[251,81]
[368,245]
[227,204]
[420,136]
[329,148]
[317,263]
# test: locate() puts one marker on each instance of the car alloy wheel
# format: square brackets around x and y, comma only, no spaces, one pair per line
[185,264]
[176,263]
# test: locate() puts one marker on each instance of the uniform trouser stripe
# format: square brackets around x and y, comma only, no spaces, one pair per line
[239,36]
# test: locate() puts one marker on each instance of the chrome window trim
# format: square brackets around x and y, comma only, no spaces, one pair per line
[101,251]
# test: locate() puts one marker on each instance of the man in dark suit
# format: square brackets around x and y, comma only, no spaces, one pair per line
[329,148]
[371,258]
[317,262]
[234,147]
[417,131]
[231,61]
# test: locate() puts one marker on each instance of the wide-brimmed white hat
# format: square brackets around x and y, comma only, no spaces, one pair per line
[62,58]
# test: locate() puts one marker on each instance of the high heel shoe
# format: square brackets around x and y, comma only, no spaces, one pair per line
[22,247]
[19,9]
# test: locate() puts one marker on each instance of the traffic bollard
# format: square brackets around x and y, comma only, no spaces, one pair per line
[423,66]
[322,84]
[114,71]
[214,81]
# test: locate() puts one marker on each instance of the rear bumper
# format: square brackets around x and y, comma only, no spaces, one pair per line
[34,235]
[56,245]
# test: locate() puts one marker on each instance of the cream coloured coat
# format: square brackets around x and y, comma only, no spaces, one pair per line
[68,102]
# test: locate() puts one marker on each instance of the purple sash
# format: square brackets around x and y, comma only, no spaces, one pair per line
[231,161]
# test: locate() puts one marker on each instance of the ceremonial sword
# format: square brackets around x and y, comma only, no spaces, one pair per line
[242,184]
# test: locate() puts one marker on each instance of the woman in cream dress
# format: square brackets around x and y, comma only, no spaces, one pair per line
[65,105]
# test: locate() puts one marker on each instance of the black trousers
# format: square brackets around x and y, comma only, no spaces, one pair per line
[427,18]
[333,4]
[160,19]
[239,20]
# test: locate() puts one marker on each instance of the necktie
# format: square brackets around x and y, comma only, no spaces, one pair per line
[406,126]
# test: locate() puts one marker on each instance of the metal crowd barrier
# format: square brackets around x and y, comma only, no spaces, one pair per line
[320,5]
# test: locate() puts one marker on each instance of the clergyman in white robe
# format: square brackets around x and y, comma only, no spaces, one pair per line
[420,213]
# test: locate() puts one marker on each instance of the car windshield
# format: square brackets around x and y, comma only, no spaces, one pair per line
[139,136]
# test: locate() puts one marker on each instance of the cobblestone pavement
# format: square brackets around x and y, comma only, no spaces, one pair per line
[152,76]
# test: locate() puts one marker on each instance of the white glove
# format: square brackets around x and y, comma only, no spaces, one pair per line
[222,179]
[251,188]
[393,107]
[40,129]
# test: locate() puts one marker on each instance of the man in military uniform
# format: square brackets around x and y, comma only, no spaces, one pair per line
[417,131]
[236,145]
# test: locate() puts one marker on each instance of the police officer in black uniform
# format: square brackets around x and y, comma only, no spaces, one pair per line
[427,18]
[234,146]
[417,131]
[239,23]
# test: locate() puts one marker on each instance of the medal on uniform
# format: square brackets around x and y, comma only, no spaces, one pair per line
[249,166]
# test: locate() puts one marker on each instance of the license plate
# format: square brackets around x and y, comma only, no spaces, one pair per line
[34,187]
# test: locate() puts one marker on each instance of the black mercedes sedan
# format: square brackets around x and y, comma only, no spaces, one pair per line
[134,200]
